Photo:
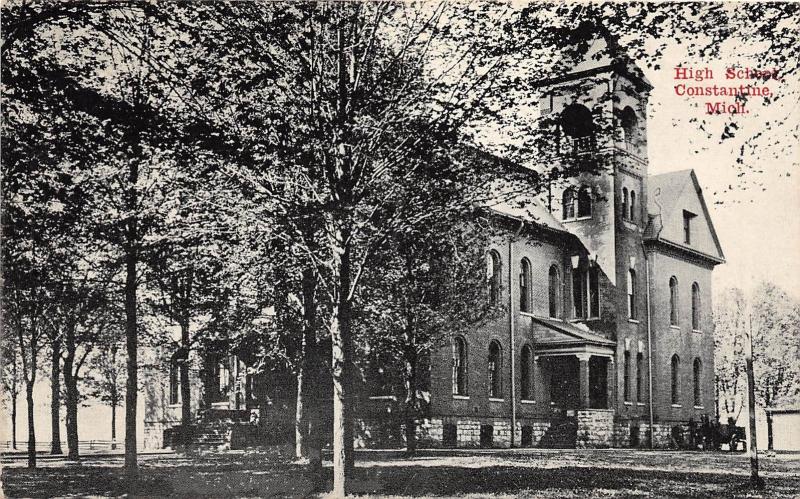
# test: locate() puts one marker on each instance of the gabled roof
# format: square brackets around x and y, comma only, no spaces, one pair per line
[534,212]
[589,49]
[560,333]
[667,194]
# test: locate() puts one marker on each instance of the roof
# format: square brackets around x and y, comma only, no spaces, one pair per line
[785,409]
[533,212]
[561,333]
[590,48]
[666,200]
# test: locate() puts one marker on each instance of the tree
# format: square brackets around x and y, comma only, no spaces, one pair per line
[11,378]
[776,348]
[428,286]
[106,373]
[730,320]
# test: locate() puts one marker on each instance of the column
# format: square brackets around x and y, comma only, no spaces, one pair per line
[611,382]
[583,375]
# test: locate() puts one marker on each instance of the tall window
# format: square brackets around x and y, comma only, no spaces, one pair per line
[174,383]
[553,292]
[696,307]
[584,202]
[594,292]
[224,376]
[577,294]
[525,285]
[631,294]
[675,396]
[673,301]
[626,376]
[633,206]
[494,371]
[586,293]
[639,374]
[493,277]
[459,366]
[526,372]
[568,204]
[624,203]
[687,226]
[698,372]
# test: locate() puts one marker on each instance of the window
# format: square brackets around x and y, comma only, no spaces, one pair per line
[174,383]
[577,294]
[696,307]
[224,377]
[495,379]
[631,294]
[568,204]
[633,206]
[577,124]
[459,366]
[493,277]
[584,202]
[526,372]
[525,286]
[698,394]
[626,376]
[639,374]
[629,128]
[675,396]
[673,301]
[624,203]
[586,293]
[687,226]
[554,286]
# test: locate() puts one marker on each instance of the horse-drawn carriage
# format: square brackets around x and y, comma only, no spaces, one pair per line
[710,435]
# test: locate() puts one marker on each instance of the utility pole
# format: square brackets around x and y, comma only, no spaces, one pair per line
[755,480]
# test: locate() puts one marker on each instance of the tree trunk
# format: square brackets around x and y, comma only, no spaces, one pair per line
[304,382]
[71,384]
[14,420]
[186,392]
[770,440]
[411,399]
[55,399]
[132,343]
[341,360]
[130,248]
[31,427]
[113,422]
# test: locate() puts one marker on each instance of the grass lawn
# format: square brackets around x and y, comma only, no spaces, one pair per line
[472,474]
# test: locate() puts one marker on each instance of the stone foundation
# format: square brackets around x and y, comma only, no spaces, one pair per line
[468,433]
[595,428]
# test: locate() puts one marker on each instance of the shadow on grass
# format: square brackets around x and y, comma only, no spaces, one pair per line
[272,479]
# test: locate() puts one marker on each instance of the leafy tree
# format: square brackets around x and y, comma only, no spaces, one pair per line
[106,375]
[776,348]
[11,377]
[730,320]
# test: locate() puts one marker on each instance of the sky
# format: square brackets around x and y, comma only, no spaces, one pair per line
[756,214]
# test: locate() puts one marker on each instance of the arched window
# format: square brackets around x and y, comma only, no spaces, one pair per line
[675,378]
[631,294]
[633,206]
[626,376]
[525,285]
[629,128]
[224,376]
[554,287]
[174,383]
[526,372]
[459,366]
[495,379]
[584,202]
[493,277]
[698,392]
[639,375]
[673,301]
[578,124]
[624,203]
[696,307]
[568,204]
